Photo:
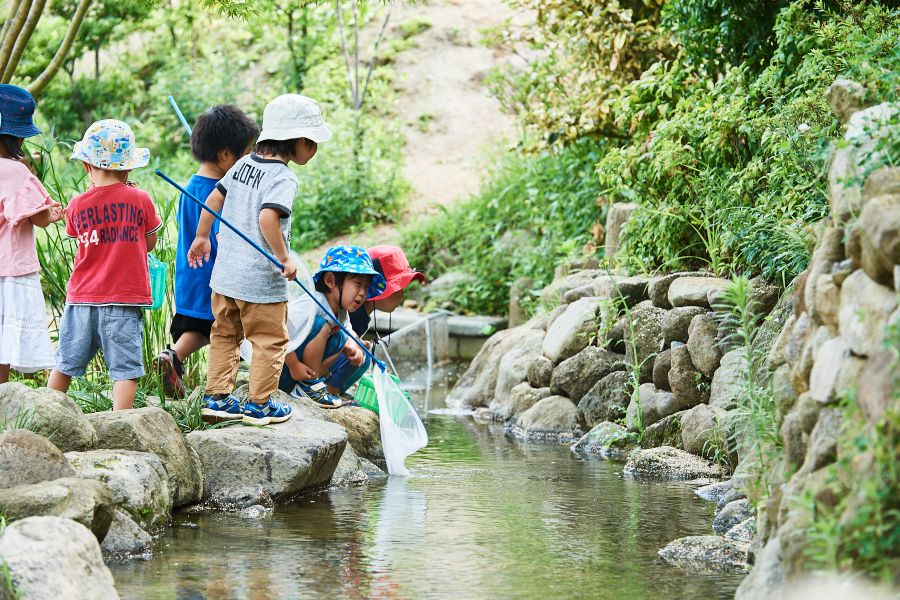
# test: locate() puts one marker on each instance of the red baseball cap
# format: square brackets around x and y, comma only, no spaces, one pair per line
[395,267]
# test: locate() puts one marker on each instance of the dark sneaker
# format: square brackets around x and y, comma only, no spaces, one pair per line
[169,368]
[221,407]
[265,414]
[315,390]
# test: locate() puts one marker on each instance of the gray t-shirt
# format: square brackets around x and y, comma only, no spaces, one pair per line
[240,271]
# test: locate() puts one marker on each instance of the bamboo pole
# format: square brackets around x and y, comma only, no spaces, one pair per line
[38,85]
[34,15]
[13,33]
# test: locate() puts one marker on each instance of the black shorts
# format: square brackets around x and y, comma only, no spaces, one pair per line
[182,324]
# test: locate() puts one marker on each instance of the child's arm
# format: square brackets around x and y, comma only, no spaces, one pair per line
[151,241]
[201,248]
[299,370]
[270,226]
[51,214]
[354,354]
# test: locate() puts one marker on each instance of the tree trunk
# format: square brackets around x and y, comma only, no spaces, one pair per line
[38,85]
[12,34]
[34,15]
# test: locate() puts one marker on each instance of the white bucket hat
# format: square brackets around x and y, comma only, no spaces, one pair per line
[109,144]
[292,116]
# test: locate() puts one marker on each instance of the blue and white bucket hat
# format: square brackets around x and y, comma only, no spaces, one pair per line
[109,144]
[351,259]
[17,112]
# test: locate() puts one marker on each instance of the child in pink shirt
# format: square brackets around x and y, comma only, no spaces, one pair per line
[24,203]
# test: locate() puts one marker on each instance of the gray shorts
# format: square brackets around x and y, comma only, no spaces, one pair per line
[114,329]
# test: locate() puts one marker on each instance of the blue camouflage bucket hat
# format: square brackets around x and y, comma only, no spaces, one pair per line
[16,112]
[351,259]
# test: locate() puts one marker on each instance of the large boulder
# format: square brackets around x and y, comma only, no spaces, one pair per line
[89,502]
[607,440]
[572,331]
[350,469]
[647,339]
[551,419]
[27,457]
[628,290]
[49,558]
[154,430]
[832,360]
[665,432]
[703,344]
[670,464]
[728,381]
[276,463]
[687,383]
[125,538]
[49,413]
[658,289]
[706,553]
[575,376]
[703,430]
[821,450]
[361,424]
[766,580]
[514,364]
[676,323]
[797,426]
[879,236]
[733,513]
[865,308]
[877,384]
[138,481]
[540,371]
[521,398]
[648,406]
[662,364]
[694,291]
[606,401]
[476,386]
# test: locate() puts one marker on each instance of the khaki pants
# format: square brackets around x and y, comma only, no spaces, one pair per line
[265,326]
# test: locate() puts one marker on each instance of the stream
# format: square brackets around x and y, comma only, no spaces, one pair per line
[482,516]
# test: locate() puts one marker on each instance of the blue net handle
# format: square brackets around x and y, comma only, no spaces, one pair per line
[274,261]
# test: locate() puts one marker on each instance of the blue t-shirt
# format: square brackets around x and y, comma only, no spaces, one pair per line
[192,291]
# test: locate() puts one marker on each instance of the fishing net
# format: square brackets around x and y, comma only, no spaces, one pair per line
[402,431]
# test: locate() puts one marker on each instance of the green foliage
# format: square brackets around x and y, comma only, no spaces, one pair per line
[532,212]
[731,173]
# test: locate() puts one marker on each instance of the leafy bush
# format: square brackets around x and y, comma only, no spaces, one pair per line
[532,212]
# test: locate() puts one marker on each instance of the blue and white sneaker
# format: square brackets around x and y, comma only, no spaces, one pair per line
[315,390]
[221,407]
[265,414]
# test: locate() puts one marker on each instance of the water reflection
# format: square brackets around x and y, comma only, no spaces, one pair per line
[482,517]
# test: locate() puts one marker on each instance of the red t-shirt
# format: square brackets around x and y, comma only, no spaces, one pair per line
[111,224]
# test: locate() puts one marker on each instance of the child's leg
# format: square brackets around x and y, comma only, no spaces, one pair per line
[265,326]
[188,343]
[124,392]
[79,340]
[59,381]
[4,373]
[224,350]
[344,375]
[314,353]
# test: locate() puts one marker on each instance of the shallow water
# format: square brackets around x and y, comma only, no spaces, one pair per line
[481,517]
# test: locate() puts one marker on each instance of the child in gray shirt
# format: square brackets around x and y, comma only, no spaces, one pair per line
[249,297]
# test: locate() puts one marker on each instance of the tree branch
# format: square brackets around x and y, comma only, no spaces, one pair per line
[7,23]
[38,85]
[34,15]
[387,17]
[356,103]
[12,33]
[344,51]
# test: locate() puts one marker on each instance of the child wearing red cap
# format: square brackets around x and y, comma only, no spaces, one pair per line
[392,263]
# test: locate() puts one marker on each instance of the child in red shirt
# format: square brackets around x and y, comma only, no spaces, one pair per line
[115,225]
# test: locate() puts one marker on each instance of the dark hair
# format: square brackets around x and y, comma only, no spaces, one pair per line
[338,281]
[222,127]
[278,147]
[12,146]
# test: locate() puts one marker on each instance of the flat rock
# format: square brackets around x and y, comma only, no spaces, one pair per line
[715,491]
[52,558]
[629,290]
[658,289]
[154,430]
[575,376]
[670,464]
[277,462]
[138,481]
[49,413]
[551,419]
[89,502]
[27,457]
[694,291]
[706,553]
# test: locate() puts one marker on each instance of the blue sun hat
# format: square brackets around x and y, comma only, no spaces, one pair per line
[16,112]
[109,144]
[351,259]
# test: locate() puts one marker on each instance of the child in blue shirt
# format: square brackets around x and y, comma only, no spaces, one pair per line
[220,137]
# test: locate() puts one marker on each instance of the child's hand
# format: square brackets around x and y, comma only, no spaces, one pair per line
[57,213]
[199,252]
[290,269]
[354,353]
[301,372]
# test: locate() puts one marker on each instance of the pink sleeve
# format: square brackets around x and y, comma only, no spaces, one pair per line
[29,199]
